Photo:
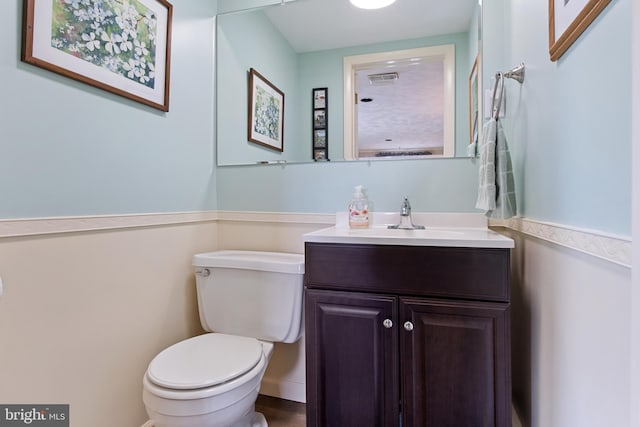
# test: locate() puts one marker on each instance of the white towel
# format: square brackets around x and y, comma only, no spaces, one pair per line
[487,168]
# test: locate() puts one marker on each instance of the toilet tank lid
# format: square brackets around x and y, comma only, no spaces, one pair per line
[280,262]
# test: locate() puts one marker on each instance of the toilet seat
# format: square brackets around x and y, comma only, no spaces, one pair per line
[204,361]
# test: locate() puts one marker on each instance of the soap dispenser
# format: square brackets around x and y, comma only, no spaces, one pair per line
[358,209]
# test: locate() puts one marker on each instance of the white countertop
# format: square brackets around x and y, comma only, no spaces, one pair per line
[459,230]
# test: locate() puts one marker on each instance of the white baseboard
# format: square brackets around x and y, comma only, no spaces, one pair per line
[288,390]
[515,418]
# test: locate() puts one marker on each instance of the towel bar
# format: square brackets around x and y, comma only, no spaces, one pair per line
[517,74]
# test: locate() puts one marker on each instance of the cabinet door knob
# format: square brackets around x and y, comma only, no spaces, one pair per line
[408,326]
[387,323]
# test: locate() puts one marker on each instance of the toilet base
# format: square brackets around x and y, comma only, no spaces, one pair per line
[252,419]
[255,420]
[258,420]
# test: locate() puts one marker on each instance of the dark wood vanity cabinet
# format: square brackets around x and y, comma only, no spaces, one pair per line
[409,336]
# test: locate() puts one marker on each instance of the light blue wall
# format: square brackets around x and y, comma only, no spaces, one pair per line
[244,41]
[494,19]
[70,149]
[569,125]
[569,129]
[443,185]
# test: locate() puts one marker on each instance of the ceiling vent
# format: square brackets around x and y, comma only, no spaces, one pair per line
[382,78]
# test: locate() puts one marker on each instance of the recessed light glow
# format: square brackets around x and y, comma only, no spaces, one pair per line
[371,4]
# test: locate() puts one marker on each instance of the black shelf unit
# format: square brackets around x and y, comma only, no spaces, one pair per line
[320,128]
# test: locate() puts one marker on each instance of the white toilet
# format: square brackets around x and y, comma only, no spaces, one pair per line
[247,300]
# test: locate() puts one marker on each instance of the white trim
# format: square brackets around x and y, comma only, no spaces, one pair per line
[231,6]
[635,209]
[515,418]
[72,224]
[288,390]
[354,62]
[613,248]
[299,218]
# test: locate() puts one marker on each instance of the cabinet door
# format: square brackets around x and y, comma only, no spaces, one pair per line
[455,363]
[352,359]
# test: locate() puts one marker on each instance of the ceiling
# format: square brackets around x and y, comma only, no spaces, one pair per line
[311,25]
[404,114]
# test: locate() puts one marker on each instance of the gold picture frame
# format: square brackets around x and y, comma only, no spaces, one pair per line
[567,21]
[120,48]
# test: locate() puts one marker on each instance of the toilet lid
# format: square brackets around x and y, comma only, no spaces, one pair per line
[204,361]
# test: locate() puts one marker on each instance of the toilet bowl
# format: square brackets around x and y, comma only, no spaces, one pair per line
[209,380]
[212,380]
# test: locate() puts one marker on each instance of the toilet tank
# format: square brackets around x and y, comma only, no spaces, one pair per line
[249,293]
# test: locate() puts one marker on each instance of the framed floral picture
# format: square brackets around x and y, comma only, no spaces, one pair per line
[266,112]
[121,46]
[567,21]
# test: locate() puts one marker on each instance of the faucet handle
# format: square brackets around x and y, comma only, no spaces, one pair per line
[405,209]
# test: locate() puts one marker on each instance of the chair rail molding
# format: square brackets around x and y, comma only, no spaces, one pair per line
[20,227]
[612,248]
[615,249]
[72,224]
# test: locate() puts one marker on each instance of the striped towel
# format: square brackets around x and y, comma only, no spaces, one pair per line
[505,184]
[487,168]
[496,189]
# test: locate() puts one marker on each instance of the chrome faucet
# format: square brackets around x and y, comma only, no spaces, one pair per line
[405,209]
[406,223]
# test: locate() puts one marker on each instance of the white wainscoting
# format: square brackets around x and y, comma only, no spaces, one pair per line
[283,232]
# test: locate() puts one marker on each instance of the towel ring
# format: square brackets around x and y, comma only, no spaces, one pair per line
[516,74]
[495,107]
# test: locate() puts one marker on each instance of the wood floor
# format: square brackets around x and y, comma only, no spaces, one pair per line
[281,413]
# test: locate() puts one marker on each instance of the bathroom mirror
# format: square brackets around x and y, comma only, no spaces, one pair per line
[300,45]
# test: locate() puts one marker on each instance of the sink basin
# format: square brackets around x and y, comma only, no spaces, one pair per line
[401,233]
[459,236]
